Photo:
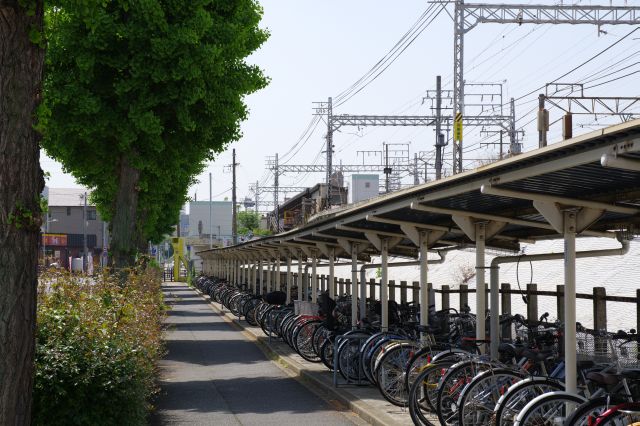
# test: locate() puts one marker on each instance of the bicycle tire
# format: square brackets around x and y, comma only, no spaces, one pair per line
[548,406]
[479,397]
[519,395]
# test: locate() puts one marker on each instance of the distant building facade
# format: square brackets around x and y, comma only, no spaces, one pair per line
[221,220]
[62,227]
[364,187]
[296,210]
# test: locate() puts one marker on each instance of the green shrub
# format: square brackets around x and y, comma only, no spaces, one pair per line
[97,346]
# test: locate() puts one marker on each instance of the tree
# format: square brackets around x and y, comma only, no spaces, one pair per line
[138,95]
[248,221]
[21,182]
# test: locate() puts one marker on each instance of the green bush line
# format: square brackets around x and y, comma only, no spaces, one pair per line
[98,341]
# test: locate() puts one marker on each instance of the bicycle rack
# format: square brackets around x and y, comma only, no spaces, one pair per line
[362,379]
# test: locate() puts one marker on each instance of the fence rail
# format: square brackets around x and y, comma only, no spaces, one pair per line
[599,295]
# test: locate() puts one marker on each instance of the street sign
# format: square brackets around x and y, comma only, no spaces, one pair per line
[457,127]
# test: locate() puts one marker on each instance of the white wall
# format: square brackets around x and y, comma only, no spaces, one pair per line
[221,216]
[364,187]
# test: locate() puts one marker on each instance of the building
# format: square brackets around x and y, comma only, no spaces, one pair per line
[63,230]
[364,187]
[296,210]
[221,221]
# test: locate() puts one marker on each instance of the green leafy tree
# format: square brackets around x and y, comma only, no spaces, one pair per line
[139,95]
[249,222]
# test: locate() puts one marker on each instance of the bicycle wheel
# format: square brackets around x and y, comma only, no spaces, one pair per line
[479,398]
[423,394]
[303,341]
[424,357]
[552,408]
[326,352]
[390,373]
[348,353]
[589,411]
[451,387]
[519,395]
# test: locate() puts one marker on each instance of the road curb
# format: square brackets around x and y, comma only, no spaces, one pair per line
[365,411]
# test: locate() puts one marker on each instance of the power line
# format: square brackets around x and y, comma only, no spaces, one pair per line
[392,59]
[582,64]
[613,79]
[381,61]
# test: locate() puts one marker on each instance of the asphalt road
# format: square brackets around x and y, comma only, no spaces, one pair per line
[213,375]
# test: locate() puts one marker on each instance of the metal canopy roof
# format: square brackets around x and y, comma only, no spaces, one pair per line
[598,171]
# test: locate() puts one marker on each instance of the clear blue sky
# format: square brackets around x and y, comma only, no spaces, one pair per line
[318,49]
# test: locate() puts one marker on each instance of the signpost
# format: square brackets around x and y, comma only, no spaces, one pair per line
[457,128]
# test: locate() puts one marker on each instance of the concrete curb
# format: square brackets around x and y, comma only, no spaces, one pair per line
[365,411]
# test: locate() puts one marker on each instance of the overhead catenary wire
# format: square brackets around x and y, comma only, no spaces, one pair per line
[381,61]
[384,64]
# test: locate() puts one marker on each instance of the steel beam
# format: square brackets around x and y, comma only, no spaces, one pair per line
[492,217]
[492,190]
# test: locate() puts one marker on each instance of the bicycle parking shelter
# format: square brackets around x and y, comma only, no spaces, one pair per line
[585,186]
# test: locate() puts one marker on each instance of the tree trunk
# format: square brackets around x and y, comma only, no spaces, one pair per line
[21,183]
[124,237]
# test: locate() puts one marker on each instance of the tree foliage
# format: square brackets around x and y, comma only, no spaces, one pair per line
[140,94]
[249,223]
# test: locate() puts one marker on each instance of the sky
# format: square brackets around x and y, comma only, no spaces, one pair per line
[317,50]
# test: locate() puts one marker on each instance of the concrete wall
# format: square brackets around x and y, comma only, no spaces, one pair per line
[221,217]
[364,187]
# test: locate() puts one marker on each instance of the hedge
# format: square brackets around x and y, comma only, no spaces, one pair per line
[98,341]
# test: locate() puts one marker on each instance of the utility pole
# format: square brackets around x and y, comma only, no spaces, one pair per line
[514,146]
[84,233]
[329,150]
[276,183]
[439,135]
[234,217]
[467,17]
[387,169]
[210,215]
[543,122]
[458,81]
[257,194]
[416,178]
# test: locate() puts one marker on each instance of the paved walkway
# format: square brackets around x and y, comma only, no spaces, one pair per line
[213,375]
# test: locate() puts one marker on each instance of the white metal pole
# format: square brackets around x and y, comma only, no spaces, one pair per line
[300,278]
[354,285]
[571,378]
[424,284]
[384,284]
[481,305]
[254,277]
[289,279]
[314,278]
[260,280]
[494,325]
[278,288]
[210,215]
[332,287]
[268,276]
